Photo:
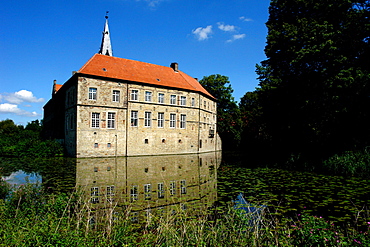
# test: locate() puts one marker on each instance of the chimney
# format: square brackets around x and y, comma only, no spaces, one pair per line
[54,87]
[175,67]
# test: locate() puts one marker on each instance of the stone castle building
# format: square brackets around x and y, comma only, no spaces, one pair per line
[118,107]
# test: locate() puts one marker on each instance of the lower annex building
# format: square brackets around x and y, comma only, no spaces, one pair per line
[120,107]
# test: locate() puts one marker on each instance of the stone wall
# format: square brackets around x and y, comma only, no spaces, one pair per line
[96,97]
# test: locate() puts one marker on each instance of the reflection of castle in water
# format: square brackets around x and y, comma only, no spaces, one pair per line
[152,183]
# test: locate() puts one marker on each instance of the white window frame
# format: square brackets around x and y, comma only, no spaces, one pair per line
[161,98]
[160,119]
[148,96]
[95,194]
[147,191]
[183,100]
[160,190]
[134,119]
[116,95]
[111,120]
[172,188]
[173,99]
[182,121]
[183,186]
[148,119]
[134,193]
[173,120]
[134,94]
[95,120]
[93,92]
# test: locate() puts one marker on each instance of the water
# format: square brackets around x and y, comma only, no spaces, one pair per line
[193,182]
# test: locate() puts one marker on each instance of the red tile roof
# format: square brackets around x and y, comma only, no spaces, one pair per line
[57,87]
[131,70]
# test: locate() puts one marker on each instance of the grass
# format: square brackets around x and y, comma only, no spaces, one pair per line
[30,217]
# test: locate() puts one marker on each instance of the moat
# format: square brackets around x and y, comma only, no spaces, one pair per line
[160,184]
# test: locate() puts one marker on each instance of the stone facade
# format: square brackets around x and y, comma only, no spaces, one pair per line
[105,116]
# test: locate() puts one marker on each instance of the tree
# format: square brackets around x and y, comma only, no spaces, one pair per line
[315,82]
[228,116]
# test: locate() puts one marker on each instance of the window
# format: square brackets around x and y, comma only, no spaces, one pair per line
[172,188]
[95,120]
[172,120]
[147,191]
[182,100]
[134,193]
[134,94]
[183,186]
[148,119]
[115,95]
[205,104]
[110,193]
[95,194]
[111,120]
[109,145]
[92,93]
[160,190]
[160,119]
[192,101]
[148,96]
[182,121]
[96,145]
[134,120]
[173,100]
[161,98]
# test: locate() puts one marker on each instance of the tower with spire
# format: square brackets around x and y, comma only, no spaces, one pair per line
[106,47]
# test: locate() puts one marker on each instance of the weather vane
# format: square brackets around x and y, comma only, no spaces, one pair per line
[106,14]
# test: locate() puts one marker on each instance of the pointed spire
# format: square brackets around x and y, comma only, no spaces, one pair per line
[106,47]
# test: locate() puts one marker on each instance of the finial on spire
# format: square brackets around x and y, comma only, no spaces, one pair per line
[106,47]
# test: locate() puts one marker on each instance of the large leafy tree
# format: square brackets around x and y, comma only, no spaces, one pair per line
[228,116]
[315,82]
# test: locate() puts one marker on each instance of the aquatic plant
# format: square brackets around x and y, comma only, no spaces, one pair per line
[61,220]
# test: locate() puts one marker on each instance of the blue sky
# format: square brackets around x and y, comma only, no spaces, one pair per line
[46,40]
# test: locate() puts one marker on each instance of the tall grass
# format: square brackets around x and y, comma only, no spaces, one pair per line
[30,217]
[352,163]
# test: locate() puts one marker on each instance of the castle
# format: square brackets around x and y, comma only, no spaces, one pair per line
[119,107]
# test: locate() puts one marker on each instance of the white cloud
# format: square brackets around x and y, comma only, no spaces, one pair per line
[226,28]
[152,3]
[21,96]
[243,18]
[12,108]
[236,37]
[203,33]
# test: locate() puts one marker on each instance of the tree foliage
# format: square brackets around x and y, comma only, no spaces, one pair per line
[228,115]
[17,141]
[315,82]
